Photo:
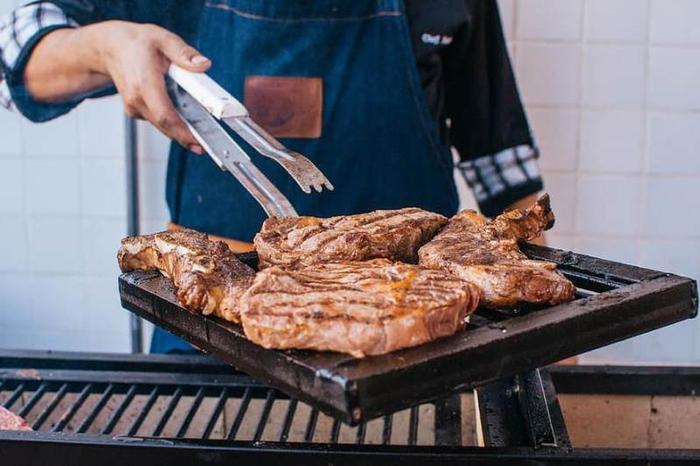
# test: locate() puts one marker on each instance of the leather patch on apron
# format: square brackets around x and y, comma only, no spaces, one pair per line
[290,107]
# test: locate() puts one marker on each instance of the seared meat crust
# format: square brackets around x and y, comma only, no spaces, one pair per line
[360,308]
[486,253]
[209,277]
[389,234]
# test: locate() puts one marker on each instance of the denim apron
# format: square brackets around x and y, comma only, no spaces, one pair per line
[378,143]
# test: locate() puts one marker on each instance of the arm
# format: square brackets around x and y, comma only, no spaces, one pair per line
[134,57]
[49,65]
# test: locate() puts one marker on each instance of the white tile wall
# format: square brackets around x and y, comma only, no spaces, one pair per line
[52,185]
[14,244]
[673,77]
[670,210]
[611,75]
[549,73]
[611,91]
[11,135]
[612,141]
[608,204]
[11,185]
[55,245]
[674,22]
[611,88]
[617,20]
[557,133]
[674,143]
[102,187]
[56,138]
[549,19]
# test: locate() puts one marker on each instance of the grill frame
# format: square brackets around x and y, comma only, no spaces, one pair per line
[115,380]
[43,447]
[616,301]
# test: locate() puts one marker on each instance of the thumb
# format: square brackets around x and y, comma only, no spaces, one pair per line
[177,51]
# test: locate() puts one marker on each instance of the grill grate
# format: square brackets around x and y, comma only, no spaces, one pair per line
[497,343]
[200,400]
[207,407]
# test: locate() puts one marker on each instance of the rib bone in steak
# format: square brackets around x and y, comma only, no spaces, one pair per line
[209,278]
[486,253]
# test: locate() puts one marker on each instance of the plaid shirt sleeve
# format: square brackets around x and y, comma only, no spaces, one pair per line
[501,179]
[20,31]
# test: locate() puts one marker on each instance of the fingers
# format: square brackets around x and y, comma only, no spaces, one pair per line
[177,51]
[137,70]
[160,111]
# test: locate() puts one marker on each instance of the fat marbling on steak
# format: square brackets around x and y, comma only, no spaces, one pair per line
[359,308]
[387,234]
[486,253]
[208,276]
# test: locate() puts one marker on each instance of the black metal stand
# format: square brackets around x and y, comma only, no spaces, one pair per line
[132,214]
[80,406]
[522,411]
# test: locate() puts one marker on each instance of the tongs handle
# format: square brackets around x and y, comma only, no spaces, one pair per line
[208,93]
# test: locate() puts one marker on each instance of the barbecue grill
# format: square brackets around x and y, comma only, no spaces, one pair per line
[417,408]
[135,409]
[614,301]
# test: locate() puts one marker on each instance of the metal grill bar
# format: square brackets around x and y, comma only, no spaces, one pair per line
[104,398]
[33,400]
[117,414]
[242,408]
[413,426]
[386,431]
[50,407]
[216,412]
[13,397]
[152,397]
[68,415]
[269,399]
[335,430]
[174,399]
[288,418]
[311,426]
[190,413]
[448,421]
[361,430]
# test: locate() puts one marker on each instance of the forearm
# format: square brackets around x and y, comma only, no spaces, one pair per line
[64,64]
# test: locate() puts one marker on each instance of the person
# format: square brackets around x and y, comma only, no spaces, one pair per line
[374,92]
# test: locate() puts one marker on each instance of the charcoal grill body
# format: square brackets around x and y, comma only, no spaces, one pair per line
[82,405]
[82,408]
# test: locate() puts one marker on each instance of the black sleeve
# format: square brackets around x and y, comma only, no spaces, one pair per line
[481,95]
[178,16]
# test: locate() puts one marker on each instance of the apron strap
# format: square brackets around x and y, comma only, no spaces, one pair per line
[233,244]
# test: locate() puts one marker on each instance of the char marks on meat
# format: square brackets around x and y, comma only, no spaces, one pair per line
[486,253]
[208,276]
[360,308]
[389,234]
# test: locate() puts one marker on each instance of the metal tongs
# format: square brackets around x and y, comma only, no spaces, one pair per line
[202,103]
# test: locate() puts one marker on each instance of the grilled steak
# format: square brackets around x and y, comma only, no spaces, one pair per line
[486,253]
[209,278]
[11,421]
[360,308]
[389,234]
